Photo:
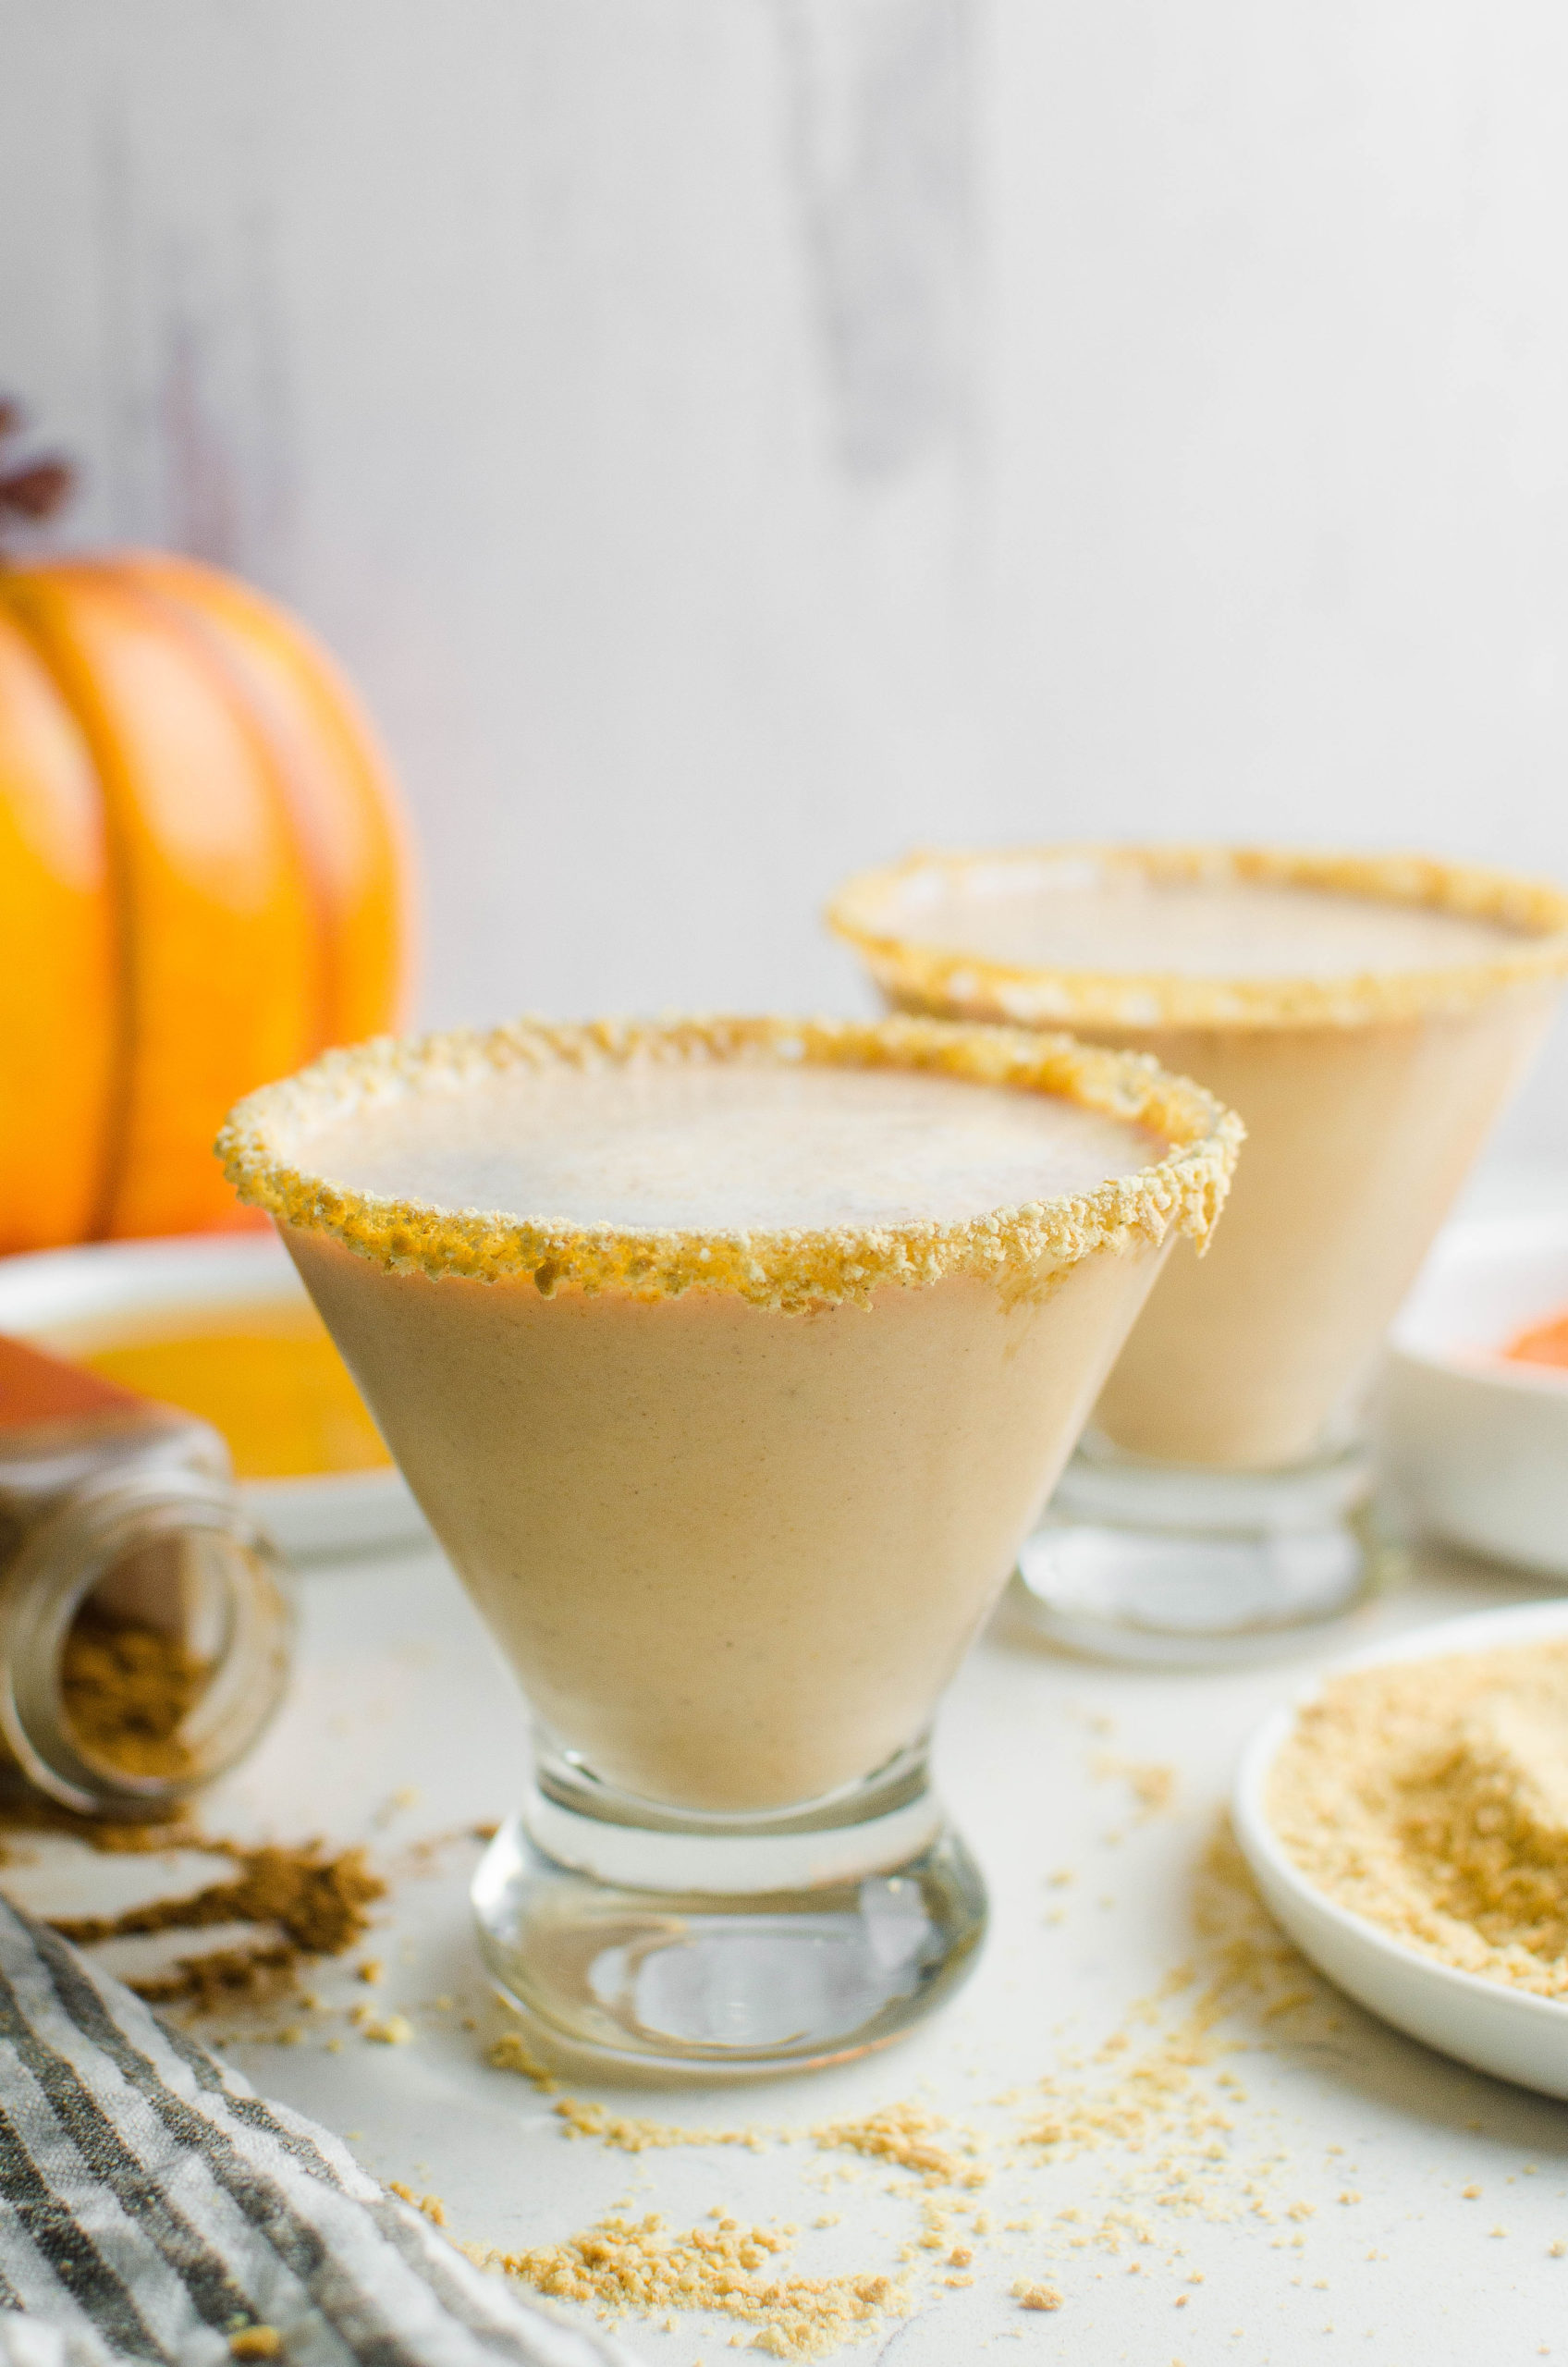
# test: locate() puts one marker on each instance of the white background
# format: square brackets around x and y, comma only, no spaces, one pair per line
[732,440]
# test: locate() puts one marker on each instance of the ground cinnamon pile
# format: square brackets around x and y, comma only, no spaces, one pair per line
[313,1899]
[316,1900]
[126,1689]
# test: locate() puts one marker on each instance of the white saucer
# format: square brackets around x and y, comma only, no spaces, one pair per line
[51,1296]
[1507,2032]
[1475,1443]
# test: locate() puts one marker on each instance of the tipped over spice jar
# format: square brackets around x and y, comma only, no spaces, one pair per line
[144,1621]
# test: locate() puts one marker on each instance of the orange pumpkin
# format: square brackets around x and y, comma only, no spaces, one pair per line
[204,881]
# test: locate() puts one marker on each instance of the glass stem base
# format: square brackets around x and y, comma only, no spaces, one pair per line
[1176,1566]
[728,1943]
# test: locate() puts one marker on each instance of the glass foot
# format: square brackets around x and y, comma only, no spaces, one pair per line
[728,1943]
[1177,1566]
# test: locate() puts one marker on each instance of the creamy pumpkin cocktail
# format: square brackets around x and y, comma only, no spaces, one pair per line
[730,1362]
[1367,1018]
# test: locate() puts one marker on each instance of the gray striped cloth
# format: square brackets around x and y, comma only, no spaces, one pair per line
[154,2204]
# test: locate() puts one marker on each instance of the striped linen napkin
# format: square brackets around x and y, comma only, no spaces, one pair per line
[156,2207]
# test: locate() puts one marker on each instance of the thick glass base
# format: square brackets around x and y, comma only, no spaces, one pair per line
[1173,1565]
[728,1943]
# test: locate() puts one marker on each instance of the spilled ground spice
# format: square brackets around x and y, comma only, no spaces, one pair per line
[312,1899]
[316,1899]
[126,1688]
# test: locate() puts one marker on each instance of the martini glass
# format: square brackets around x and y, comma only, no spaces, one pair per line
[1367,1017]
[733,1493]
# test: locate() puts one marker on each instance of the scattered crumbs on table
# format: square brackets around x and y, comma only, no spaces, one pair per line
[635,2136]
[396,2030]
[907,2134]
[371,1969]
[640,2266]
[1152,1784]
[433,2208]
[1036,2297]
[512,2052]
[255,2342]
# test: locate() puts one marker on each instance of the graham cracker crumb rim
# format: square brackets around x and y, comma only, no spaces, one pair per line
[947,979]
[264,1147]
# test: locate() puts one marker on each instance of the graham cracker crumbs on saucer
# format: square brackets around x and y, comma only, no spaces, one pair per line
[1431,1797]
[638,2266]
[1036,2297]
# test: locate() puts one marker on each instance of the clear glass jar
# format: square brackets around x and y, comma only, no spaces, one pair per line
[144,1621]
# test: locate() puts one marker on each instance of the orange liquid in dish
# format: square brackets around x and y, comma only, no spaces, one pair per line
[1543,1344]
[267,1376]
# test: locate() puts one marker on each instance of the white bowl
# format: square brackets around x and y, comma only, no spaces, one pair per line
[53,1295]
[1475,1443]
[1509,2033]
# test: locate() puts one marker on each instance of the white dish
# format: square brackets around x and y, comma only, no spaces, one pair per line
[1475,1443]
[1509,2033]
[47,1297]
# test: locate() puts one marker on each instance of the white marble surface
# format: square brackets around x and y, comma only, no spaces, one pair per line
[733,440]
[401,1727]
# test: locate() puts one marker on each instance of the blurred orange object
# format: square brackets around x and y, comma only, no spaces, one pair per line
[204,880]
[1543,1344]
[267,1376]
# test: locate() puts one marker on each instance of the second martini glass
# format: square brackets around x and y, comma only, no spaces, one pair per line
[1367,1017]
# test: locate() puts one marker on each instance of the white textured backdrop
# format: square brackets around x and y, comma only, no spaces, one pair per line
[731,440]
